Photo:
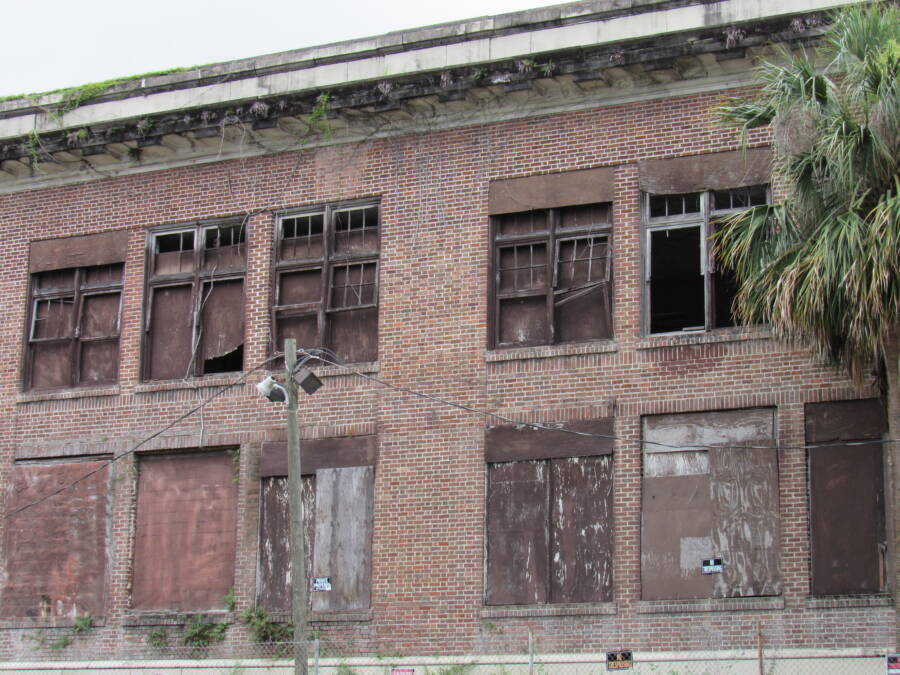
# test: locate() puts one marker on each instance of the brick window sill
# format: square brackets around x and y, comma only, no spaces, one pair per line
[709,605]
[153,618]
[704,337]
[336,371]
[550,351]
[47,622]
[528,611]
[356,615]
[190,383]
[849,601]
[64,394]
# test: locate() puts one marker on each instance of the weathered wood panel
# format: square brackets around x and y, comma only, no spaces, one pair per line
[51,365]
[523,322]
[571,188]
[676,534]
[56,550]
[99,361]
[222,326]
[722,428]
[517,533]
[186,532]
[343,537]
[319,453]
[274,579]
[847,517]
[507,443]
[713,171]
[584,315]
[85,251]
[171,332]
[744,490]
[581,522]
[353,334]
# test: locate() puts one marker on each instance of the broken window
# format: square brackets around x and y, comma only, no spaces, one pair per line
[709,508]
[338,498]
[73,332]
[686,289]
[194,319]
[56,549]
[552,276]
[846,497]
[185,538]
[549,515]
[326,280]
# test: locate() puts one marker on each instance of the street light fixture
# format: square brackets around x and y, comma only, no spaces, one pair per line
[295,375]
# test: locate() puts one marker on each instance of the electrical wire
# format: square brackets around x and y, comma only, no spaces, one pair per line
[333,360]
[143,442]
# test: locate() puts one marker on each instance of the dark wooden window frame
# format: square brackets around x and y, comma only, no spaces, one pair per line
[325,307]
[78,292]
[199,277]
[704,219]
[552,238]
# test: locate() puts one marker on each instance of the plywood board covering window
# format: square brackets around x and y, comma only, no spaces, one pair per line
[56,550]
[194,314]
[326,280]
[846,497]
[715,495]
[184,548]
[548,516]
[338,501]
[552,278]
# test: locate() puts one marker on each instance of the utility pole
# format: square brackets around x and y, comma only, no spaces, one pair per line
[298,559]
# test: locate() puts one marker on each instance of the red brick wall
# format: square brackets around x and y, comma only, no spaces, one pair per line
[430,477]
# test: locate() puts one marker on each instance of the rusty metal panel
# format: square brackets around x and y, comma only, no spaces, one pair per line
[51,365]
[99,362]
[517,533]
[300,287]
[845,421]
[523,321]
[584,315]
[100,315]
[304,329]
[343,537]
[354,334]
[676,534]
[581,523]
[507,443]
[571,188]
[171,332]
[274,577]
[847,524]
[85,251]
[184,549]
[56,550]
[320,453]
[222,326]
[713,171]
[744,491]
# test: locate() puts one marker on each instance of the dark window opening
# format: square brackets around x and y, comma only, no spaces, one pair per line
[552,280]
[194,322]
[676,280]
[326,282]
[73,338]
[662,206]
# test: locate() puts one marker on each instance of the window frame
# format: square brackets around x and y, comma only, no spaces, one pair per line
[551,237]
[326,264]
[78,292]
[198,277]
[705,219]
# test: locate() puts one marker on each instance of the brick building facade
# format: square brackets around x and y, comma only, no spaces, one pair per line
[496,214]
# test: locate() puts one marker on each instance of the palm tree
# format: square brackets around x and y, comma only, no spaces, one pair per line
[821,268]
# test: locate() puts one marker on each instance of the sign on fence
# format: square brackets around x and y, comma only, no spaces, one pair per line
[620,660]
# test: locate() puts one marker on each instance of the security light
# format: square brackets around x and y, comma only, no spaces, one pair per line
[307,380]
[272,390]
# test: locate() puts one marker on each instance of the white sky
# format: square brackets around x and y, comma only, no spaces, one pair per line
[49,44]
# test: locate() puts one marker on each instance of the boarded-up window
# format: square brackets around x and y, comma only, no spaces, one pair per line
[326,281]
[56,549]
[713,495]
[194,315]
[685,287]
[552,276]
[73,332]
[846,495]
[184,550]
[338,501]
[549,515]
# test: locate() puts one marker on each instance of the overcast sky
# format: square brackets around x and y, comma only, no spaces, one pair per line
[51,44]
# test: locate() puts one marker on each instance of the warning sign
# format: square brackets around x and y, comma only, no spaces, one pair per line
[620,660]
[892,664]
